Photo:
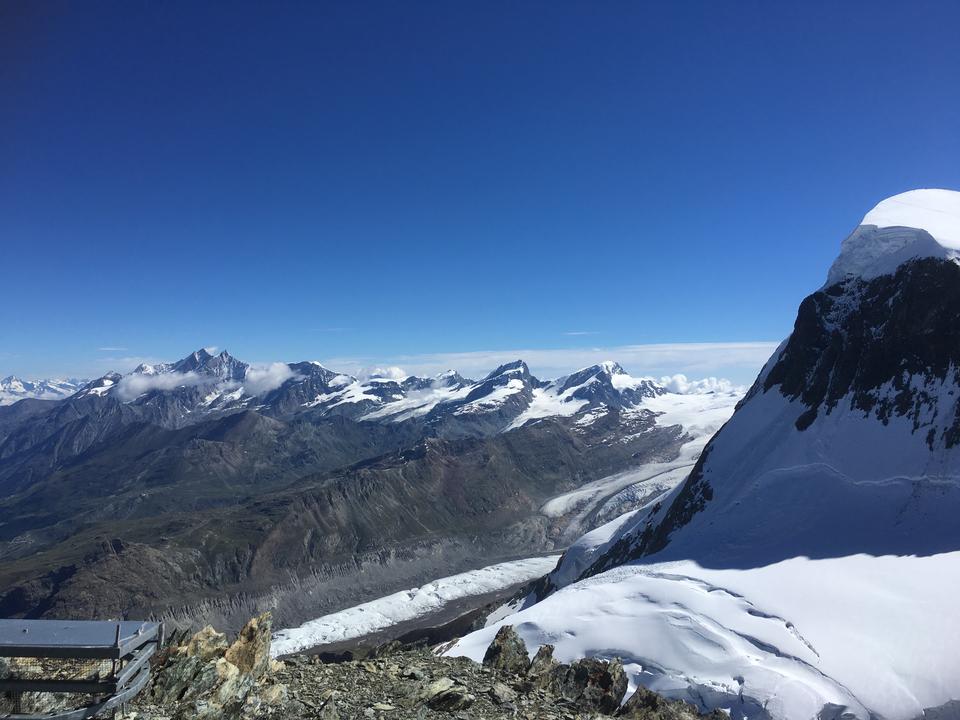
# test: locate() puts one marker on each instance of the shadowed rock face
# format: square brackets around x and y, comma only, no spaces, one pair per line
[869,341]
[869,354]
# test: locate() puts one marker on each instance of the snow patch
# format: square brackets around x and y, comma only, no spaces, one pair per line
[876,635]
[548,403]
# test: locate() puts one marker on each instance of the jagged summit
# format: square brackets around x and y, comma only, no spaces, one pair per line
[204,385]
[915,224]
[223,366]
[514,367]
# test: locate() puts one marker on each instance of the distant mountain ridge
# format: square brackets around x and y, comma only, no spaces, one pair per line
[203,385]
[13,389]
[204,487]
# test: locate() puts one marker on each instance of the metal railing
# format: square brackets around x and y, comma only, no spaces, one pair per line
[92,667]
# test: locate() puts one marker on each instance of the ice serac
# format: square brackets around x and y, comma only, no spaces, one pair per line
[807,565]
[919,223]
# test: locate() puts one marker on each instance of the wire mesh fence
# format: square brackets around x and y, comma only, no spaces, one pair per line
[73,670]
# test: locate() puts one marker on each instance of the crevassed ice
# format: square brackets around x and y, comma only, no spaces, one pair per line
[918,223]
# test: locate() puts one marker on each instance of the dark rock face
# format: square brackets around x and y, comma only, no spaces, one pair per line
[590,683]
[543,669]
[603,390]
[647,705]
[594,684]
[884,348]
[507,652]
[870,341]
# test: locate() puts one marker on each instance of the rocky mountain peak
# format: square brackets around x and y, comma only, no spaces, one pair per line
[914,224]
[515,368]
[223,366]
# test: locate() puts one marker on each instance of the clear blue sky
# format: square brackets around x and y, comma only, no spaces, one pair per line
[320,180]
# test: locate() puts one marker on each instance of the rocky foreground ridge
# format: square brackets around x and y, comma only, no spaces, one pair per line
[204,677]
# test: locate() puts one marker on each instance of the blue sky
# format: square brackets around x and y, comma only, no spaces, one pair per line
[368,182]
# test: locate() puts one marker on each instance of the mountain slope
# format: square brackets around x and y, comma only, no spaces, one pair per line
[806,565]
[205,488]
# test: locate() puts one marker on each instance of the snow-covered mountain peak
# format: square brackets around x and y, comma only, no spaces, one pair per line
[100,386]
[13,383]
[612,368]
[936,211]
[13,388]
[914,224]
[450,378]
[515,368]
[223,366]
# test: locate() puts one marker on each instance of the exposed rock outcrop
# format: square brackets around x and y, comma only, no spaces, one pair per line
[208,679]
[203,677]
[507,652]
[647,705]
[594,684]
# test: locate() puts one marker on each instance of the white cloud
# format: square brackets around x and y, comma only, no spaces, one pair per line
[738,361]
[133,386]
[389,373]
[679,383]
[581,332]
[262,379]
[112,349]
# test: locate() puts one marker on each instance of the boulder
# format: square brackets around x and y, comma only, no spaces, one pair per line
[501,694]
[593,684]
[433,689]
[507,652]
[452,699]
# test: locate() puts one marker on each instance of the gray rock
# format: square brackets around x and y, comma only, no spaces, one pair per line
[647,705]
[452,699]
[507,652]
[501,693]
[543,668]
[595,684]
[435,688]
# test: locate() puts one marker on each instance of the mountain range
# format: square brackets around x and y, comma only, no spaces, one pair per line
[205,489]
[13,389]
